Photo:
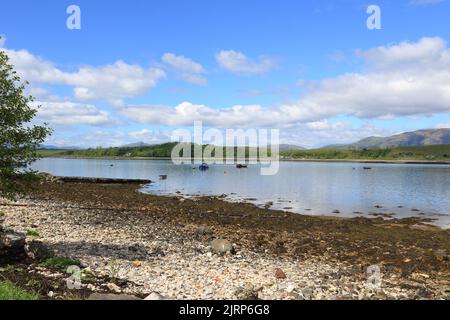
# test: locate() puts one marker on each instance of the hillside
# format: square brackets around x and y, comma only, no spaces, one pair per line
[408,139]
[422,153]
[153,151]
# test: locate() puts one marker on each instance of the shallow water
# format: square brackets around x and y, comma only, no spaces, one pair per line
[302,187]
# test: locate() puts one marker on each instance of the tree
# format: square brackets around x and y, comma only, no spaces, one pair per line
[19,138]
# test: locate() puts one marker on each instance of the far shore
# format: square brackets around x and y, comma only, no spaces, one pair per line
[281,160]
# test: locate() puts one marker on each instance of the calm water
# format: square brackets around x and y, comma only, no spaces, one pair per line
[302,187]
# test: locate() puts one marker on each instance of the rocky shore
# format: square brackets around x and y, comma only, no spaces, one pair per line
[140,245]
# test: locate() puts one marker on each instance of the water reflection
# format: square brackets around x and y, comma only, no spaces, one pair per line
[304,187]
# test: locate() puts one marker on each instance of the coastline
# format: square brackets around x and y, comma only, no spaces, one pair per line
[368,161]
[163,244]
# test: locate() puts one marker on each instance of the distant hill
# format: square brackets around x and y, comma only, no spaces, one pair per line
[422,153]
[137,145]
[51,147]
[408,139]
[289,147]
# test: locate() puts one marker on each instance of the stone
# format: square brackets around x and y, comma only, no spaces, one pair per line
[12,241]
[114,287]
[114,297]
[279,274]
[204,231]
[155,296]
[221,246]
[37,250]
[441,255]
[137,264]
[290,288]
[246,293]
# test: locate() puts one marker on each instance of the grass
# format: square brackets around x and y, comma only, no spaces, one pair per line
[9,291]
[60,263]
[33,233]
[424,153]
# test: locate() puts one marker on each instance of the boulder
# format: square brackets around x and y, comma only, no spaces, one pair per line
[221,246]
[37,250]
[12,241]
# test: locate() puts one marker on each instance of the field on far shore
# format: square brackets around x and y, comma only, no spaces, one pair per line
[436,153]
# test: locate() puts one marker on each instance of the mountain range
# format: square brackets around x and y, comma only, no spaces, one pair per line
[418,138]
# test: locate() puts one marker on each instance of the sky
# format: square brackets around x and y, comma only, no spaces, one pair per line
[138,70]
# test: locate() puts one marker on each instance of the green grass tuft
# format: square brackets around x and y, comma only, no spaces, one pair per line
[60,263]
[9,291]
[33,233]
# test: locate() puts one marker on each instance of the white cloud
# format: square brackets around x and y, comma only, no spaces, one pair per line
[443,126]
[2,40]
[320,134]
[426,53]
[112,83]
[239,63]
[187,69]
[102,138]
[70,113]
[407,79]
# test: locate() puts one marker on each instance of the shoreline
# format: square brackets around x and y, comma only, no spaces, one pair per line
[163,244]
[368,161]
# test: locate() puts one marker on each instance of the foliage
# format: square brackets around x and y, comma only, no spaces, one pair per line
[19,139]
[9,291]
[60,263]
[423,153]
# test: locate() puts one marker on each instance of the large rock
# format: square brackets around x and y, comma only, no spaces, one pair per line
[221,246]
[12,241]
[11,246]
[37,250]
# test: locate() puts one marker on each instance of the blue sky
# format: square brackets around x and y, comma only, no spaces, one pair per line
[139,69]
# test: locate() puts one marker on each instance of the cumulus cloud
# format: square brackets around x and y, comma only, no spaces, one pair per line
[104,138]
[112,83]
[71,113]
[238,63]
[406,79]
[323,133]
[186,113]
[187,69]
[443,126]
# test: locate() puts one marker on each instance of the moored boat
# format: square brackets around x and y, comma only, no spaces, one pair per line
[204,166]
